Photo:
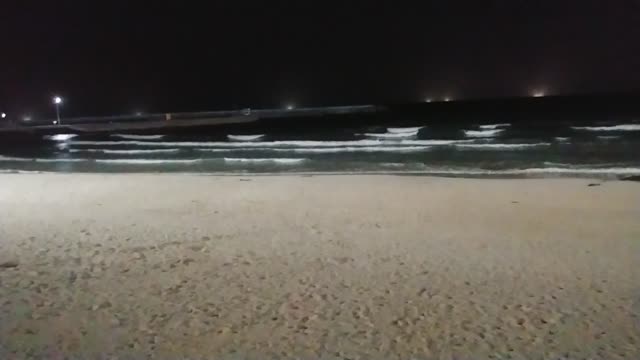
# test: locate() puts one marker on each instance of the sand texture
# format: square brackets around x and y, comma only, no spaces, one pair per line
[331,267]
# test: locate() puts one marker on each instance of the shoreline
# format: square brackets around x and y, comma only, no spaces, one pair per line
[586,176]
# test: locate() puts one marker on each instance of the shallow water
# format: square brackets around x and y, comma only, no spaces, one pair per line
[603,149]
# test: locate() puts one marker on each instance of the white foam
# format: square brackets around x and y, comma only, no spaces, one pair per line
[620,171]
[127,152]
[551,164]
[435,142]
[400,135]
[288,161]
[271,144]
[625,127]
[138,137]
[148,161]
[399,149]
[404,130]
[245,137]
[608,137]
[60,137]
[9,158]
[15,171]
[562,138]
[493,126]
[482,133]
[60,160]
[230,149]
[229,144]
[582,171]
[500,146]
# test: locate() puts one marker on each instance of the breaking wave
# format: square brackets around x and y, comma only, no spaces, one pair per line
[138,137]
[127,152]
[397,149]
[40,160]
[482,133]
[404,130]
[245,137]
[326,150]
[148,161]
[270,144]
[289,161]
[493,126]
[60,137]
[500,146]
[624,127]
[398,135]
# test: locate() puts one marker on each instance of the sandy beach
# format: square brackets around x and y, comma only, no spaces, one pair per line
[333,267]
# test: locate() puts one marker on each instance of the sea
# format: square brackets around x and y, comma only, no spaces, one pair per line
[600,149]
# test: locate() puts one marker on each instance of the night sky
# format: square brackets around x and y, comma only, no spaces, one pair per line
[115,59]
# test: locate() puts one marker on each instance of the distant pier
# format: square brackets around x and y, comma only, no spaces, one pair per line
[22,133]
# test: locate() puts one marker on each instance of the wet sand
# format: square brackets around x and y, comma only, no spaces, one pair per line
[349,267]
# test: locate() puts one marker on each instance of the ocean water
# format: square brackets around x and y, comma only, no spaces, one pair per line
[521,150]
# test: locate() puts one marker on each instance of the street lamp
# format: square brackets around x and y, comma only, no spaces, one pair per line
[3,115]
[57,101]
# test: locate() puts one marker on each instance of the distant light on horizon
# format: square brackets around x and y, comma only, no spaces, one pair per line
[538,93]
[447,99]
[290,107]
[428,100]
[3,115]
[26,118]
[57,100]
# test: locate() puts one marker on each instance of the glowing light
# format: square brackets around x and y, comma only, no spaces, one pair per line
[290,107]
[3,115]
[428,100]
[447,99]
[26,118]
[138,113]
[538,94]
[57,100]
[55,122]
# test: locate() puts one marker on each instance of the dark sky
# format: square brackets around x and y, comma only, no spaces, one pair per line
[107,59]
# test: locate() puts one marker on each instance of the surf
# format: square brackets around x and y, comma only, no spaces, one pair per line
[482,133]
[623,127]
[245,137]
[404,130]
[288,161]
[137,137]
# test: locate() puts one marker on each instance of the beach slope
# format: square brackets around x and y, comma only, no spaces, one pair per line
[369,267]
